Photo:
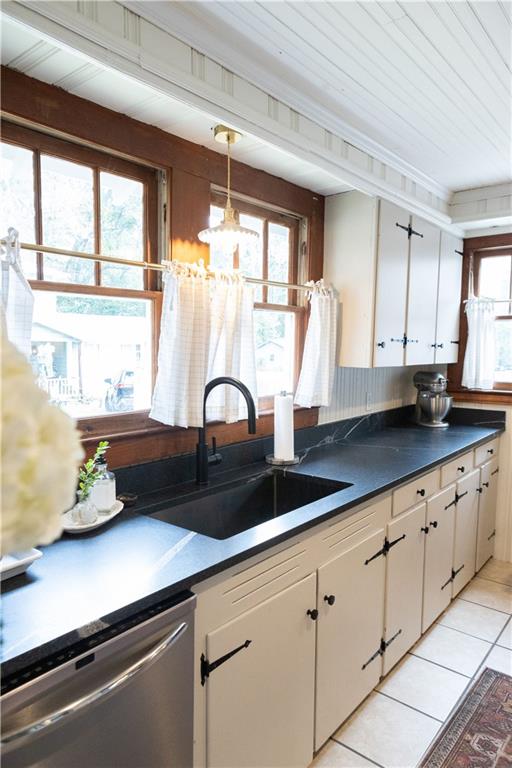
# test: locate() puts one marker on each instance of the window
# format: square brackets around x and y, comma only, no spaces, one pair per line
[95,324]
[278,314]
[493,278]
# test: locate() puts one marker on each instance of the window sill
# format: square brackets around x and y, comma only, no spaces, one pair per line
[500,396]
[144,440]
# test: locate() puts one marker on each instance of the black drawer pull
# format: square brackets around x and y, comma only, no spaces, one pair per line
[421,491]
[490,450]
[425,530]
[461,469]
[433,524]
[447,582]
[313,613]
[330,599]
[495,472]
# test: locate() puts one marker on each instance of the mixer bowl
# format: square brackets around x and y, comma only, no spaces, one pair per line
[434,407]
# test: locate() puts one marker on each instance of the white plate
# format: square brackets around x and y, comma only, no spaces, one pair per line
[70,526]
[17,562]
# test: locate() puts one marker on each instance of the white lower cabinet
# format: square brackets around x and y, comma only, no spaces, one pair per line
[487,512]
[260,702]
[437,578]
[466,521]
[349,633]
[327,616]
[404,584]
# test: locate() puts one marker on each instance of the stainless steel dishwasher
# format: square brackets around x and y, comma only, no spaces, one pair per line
[126,703]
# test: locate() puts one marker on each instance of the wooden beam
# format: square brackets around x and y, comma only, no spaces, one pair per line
[190,213]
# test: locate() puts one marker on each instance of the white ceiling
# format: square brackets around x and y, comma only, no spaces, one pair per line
[33,54]
[428,81]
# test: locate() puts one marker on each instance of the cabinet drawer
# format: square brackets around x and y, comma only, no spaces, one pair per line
[412,493]
[456,469]
[486,451]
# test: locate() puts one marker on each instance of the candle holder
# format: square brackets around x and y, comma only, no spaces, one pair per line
[271,459]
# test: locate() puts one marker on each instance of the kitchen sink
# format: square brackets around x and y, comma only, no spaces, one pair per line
[235,507]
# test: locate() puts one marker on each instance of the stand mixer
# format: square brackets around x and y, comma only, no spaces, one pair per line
[432,403]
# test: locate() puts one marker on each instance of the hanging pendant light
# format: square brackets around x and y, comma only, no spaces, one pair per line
[228,234]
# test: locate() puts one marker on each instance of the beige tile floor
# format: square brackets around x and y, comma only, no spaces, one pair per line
[398,721]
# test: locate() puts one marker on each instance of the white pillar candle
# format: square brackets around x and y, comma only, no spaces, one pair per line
[283,427]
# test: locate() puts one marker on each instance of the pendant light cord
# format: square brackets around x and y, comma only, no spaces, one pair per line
[229,171]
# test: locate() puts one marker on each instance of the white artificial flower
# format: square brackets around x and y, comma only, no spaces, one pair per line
[41,453]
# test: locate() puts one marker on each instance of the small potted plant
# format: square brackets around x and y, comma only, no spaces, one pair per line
[85,511]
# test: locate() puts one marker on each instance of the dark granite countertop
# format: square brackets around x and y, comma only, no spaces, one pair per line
[85,584]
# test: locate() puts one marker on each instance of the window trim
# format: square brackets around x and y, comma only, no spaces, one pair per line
[488,245]
[42,143]
[38,142]
[294,222]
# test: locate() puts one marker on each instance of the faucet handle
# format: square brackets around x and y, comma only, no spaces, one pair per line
[214,457]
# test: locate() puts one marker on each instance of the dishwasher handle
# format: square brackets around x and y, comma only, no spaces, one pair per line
[17,737]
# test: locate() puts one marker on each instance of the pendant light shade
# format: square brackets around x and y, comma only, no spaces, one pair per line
[229,233]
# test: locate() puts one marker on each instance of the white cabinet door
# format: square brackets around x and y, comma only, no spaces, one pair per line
[438,555]
[260,702]
[487,512]
[448,299]
[349,633]
[391,292]
[466,521]
[422,293]
[404,584]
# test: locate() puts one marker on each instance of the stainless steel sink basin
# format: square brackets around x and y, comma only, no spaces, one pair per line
[238,506]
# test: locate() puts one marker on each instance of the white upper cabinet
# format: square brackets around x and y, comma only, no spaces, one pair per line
[399,283]
[350,262]
[391,298]
[448,299]
[422,292]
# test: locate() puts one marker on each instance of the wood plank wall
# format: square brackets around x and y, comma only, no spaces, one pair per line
[191,171]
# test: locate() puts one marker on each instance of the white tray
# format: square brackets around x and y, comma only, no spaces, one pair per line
[17,562]
[70,526]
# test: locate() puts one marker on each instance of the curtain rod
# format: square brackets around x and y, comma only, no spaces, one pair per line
[496,301]
[141,264]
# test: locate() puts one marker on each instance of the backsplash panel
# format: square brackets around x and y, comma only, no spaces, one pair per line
[358,391]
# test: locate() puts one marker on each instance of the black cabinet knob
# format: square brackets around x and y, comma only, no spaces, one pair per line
[490,450]
[434,524]
[486,484]
[421,491]
[461,469]
[313,613]
[425,530]
[381,344]
[330,599]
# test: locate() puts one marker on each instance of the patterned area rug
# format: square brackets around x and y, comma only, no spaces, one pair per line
[479,733]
